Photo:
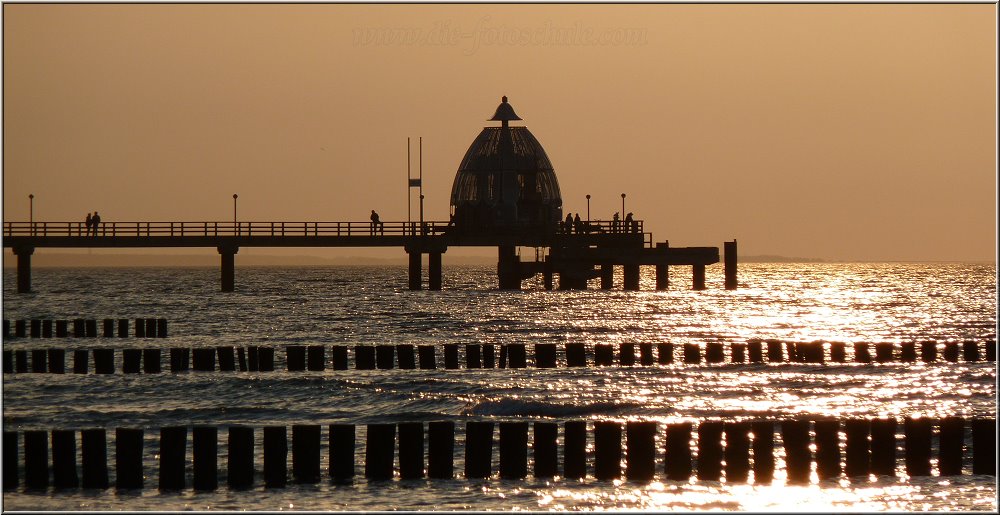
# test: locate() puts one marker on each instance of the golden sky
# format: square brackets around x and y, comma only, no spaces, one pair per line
[834,131]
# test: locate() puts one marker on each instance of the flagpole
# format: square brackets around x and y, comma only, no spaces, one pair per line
[408,209]
[421,172]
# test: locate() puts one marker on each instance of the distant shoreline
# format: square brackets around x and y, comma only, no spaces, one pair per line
[69,260]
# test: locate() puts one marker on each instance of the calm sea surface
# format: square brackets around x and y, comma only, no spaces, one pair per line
[370,305]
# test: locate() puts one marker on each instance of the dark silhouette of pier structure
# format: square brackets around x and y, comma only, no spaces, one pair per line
[505,195]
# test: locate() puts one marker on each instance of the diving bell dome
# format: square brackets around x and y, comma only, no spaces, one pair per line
[505,179]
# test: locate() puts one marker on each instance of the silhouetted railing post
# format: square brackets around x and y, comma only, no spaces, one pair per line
[678,451]
[984,446]
[545,450]
[305,453]
[275,457]
[665,353]
[94,457]
[10,454]
[709,450]
[737,452]
[316,358]
[795,435]
[440,449]
[36,460]
[128,459]
[379,448]
[341,466]
[478,449]
[173,449]
[426,357]
[575,449]
[763,451]
[205,442]
[883,447]
[857,450]
[411,450]
[951,438]
[607,450]
[827,442]
[640,450]
[917,442]
[513,450]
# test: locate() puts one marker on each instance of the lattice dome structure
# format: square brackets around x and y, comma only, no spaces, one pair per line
[505,180]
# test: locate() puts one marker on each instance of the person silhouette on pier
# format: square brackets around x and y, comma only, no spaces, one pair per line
[630,226]
[377,225]
[614,222]
[569,223]
[89,222]
[95,221]
[577,224]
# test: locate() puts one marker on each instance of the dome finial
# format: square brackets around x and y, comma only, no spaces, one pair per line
[505,112]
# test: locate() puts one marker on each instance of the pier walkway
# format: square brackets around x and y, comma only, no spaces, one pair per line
[574,251]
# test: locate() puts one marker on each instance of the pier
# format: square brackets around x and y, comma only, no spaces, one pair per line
[574,257]
[505,195]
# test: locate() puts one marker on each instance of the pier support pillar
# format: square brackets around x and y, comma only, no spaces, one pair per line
[631,277]
[698,277]
[547,275]
[508,268]
[662,270]
[729,249]
[434,270]
[414,276]
[228,254]
[607,276]
[24,268]
[662,277]
[572,280]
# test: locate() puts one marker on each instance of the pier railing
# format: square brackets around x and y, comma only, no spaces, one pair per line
[150,229]
[160,229]
[601,227]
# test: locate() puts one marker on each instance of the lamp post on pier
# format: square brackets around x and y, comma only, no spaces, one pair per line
[588,209]
[623,204]
[235,196]
[31,212]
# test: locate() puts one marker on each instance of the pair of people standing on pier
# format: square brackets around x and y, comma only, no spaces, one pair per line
[626,226]
[573,224]
[93,221]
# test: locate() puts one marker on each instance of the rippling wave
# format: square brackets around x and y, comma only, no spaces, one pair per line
[539,409]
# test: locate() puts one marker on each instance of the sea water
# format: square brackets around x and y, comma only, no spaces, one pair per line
[272,306]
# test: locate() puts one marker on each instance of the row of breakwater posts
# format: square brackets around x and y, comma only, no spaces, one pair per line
[476,356]
[729,450]
[85,328]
